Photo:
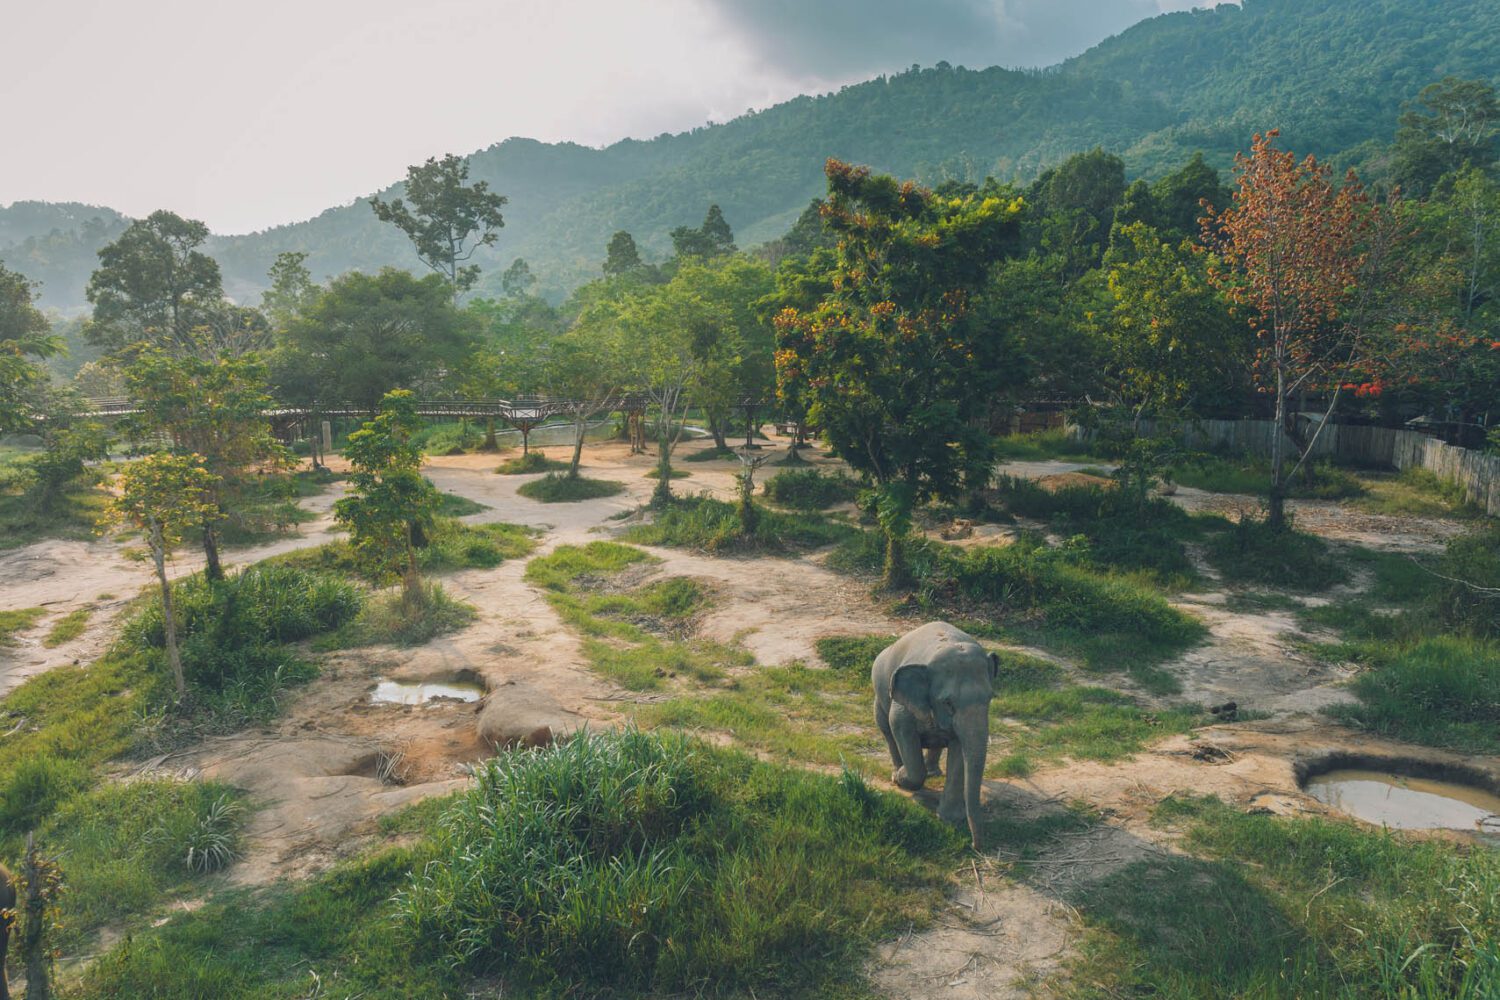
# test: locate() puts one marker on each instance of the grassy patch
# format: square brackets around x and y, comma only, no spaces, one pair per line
[620,864]
[1050,597]
[1042,445]
[1253,553]
[1440,691]
[531,462]
[451,546]
[1252,477]
[261,508]
[560,488]
[655,473]
[67,628]
[711,455]
[394,618]
[22,521]
[18,620]
[1415,493]
[852,653]
[811,489]
[1288,908]
[453,505]
[710,525]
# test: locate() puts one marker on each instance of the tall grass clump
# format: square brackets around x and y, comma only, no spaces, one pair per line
[642,862]
[1253,552]
[714,526]
[1441,691]
[811,489]
[403,617]
[559,487]
[529,463]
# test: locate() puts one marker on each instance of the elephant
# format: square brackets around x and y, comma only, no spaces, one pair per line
[933,688]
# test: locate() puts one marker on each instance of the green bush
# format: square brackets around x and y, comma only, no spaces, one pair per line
[1469,597]
[532,461]
[396,618]
[710,525]
[811,489]
[556,487]
[1255,553]
[650,863]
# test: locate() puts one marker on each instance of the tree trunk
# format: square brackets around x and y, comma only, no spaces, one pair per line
[525,440]
[716,428]
[580,428]
[213,571]
[168,615]
[661,496]
[897,574]
[34,953]
[749,427]
[412,579]
[490,444]
[1276,516]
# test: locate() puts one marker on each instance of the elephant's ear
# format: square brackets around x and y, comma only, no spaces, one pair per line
[994,667]
[912,687]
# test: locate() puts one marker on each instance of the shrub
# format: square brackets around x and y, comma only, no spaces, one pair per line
[261,605]
[396,618]
[811,489]
[646,863]
[1469,597]
[1254,552]
[557,487]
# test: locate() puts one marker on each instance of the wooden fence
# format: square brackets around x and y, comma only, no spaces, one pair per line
[1476,472]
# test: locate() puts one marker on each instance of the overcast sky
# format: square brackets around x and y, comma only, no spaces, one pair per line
[247,114]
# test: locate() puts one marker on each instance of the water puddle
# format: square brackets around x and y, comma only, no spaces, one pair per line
[1405,803]
[388,692]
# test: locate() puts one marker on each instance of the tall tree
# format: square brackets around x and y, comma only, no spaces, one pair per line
[154,286]
[713,238]
[370,333]
[1310,259]
[292,289]
[25,339]
[215,409]
[164,496]
[621,256]
[448,219]
[896,367]
[389,504]
[582,369]
[1454,123]
[518,281]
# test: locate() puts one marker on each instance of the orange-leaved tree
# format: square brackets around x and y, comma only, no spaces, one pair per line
[1313,262]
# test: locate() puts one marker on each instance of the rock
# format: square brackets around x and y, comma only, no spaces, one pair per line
[518,715]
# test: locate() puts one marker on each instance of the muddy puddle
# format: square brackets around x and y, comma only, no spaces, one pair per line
[1406,803]
[389,692]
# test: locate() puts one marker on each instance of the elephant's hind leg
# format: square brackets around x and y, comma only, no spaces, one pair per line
[931,759]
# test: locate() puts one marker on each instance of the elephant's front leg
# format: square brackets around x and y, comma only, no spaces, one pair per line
[911,772]
[931,760]
[951,805]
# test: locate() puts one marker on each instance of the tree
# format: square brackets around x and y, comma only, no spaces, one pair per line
[1311,260]
[1076,204]
[25,338]
[163,496]
[369,333]
[582,371]
[292,289]
[1167,339]
[1454,124]
[713,238]
[154,286]
[622,257]
[215,409]
[448,220]
[897,370]
[518,281]
[1181,197]
[389,504]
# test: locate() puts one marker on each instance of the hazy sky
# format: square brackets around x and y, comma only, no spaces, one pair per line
[247,114]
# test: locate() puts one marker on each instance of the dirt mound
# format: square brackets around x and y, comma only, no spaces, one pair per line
[1066,480]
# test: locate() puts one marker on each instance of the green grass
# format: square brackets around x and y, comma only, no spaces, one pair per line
[708,525]
[655,473]
[1415,493]
[452,545]
[74,517]
[560,488]
[67,628]
[18,620]
[811,489]
[711,455]
[453,505]
[532,461]
[1252,477]
[852,653]
[1440,691]
[1042,445]
[616,864]
[1029,593]
[392,618]
[1253,553]
[1291,908]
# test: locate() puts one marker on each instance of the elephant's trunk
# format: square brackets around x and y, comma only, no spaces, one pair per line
[973,730]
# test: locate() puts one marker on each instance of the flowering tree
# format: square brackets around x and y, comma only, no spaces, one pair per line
[1313,262]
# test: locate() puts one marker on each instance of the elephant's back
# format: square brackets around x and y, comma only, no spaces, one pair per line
[930,642]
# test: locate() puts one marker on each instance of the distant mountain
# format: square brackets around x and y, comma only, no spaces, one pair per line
[1332,74]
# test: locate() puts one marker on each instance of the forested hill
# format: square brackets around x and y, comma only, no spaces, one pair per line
[1332,74]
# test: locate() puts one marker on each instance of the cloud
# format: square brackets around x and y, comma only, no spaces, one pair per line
[842,39]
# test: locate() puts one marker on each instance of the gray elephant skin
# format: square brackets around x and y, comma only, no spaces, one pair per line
[933,688]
